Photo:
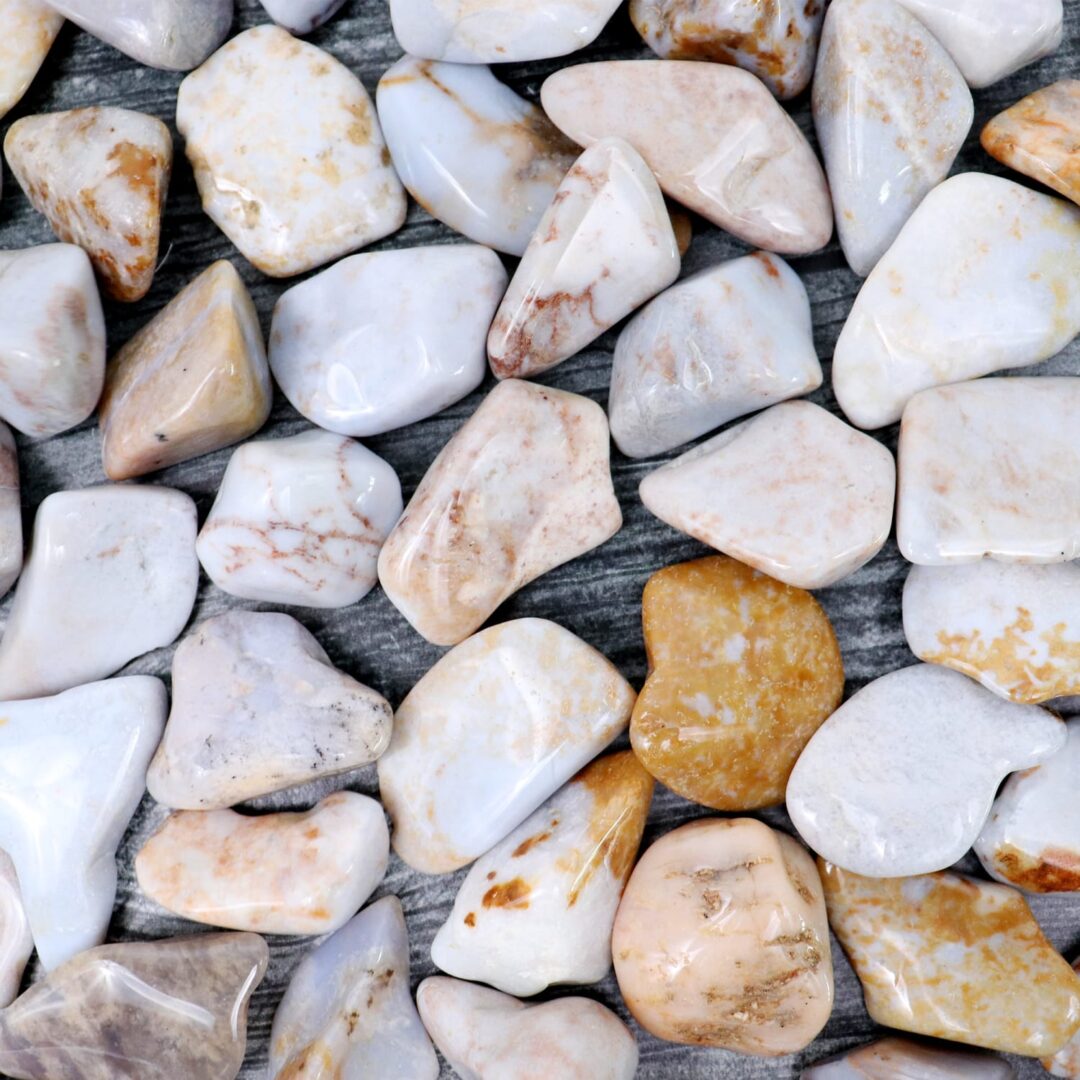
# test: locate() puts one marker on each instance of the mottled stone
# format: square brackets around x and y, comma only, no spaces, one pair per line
[301,16]
[1066,1062]
[30,28]
[16,939]
[905,1059]
[11,530]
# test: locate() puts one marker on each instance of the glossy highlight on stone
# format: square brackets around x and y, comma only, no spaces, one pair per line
[30,28]
[905,1059]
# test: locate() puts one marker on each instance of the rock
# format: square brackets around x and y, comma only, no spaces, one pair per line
[900,779]
[301,16]
[777,42]
[73,770]
[485,1035]
[228,869]
[30,28]
[99,176]
[16,940]
[11,531]
[1011,626]
[348,1010]
[537,909]
[492,730]
[524,486]
[715,138]
[950,957]
[111,575]
[382,340]
[721,940]
[149,1010]
[727,341]
[904,1059]
[300,520]
[742,671]
[52,349]
[793,492]
[1066,1062]
[891,111]
[318,182]
[470,151]
[991,469]
[604,246]
[985,275]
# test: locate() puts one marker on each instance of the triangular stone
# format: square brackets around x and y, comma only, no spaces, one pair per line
[30,28]
[301,16]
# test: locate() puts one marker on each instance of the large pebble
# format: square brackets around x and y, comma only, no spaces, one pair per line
[11,528]
[30,28]
[905,1059]
[16,938]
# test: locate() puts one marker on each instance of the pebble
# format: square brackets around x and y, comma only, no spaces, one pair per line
[301,16]
[11,529]
[1066,1062]
[16,939]
[904,1059]
[30,28]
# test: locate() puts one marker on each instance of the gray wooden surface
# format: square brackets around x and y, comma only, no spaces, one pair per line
[597,596]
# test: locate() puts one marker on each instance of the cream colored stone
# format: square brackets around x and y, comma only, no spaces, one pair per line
[29,29]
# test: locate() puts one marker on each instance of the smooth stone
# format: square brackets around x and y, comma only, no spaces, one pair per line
[721,940]
[111,575]
[30,28]
[257,706]
[991,469]
[1066,1062]
[11,530]
[714,136]
[73,770]
[904,1059]
[52,341]
[284,873]
[301,16]
[99,176]
[348,1011]
[148,1010]
[300,520]
[985,275]
[317,183]
[1014,627]
[16,939]
[383,340]
[776,42]
[794,492]
[537,909]
[522,487]
[485,1035]
[470,151]
[951,957]
[727,341]
[489,733]
[891,111]
[900,779]
[742,671]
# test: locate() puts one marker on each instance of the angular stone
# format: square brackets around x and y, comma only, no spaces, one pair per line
[725,342]
[348,1011]
[904,1059]
[191,381]
[317,182]
[150,1010]
[947,956]
[241,872]
[30,28]
[73,770]
[111,575]
[11,531]
[793,492]
[991,469]
[604,246]
[742,671]
[900,779]
[16,940]
[493,729]
[382,340]
[715,138]
[301,16]
[300,520]
[891,111]
[470,151]
[985,275]
[485,1035]
[721,940]
[1014,627]
[99,176]
[524,486]
[537,909]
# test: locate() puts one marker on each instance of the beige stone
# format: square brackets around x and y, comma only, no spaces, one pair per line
[30,28]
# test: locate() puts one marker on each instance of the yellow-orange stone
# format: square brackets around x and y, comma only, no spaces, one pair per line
[743,670]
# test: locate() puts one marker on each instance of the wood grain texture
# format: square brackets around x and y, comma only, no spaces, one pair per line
[597,597]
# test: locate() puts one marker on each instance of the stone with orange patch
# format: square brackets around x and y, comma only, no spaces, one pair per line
[30,28]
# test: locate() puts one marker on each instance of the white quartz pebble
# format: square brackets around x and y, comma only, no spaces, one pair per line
[16,940]
[11,529]
[30,28]
[301,16]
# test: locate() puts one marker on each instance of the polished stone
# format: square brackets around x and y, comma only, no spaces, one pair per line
[905,1059]
[30,28]
[16,938]
[301,16]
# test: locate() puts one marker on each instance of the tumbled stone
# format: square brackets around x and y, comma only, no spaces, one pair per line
[16,940]
[904,1059]
[947,956]
[715,138]
[721,940]
[524,486]
[148,1010]
[1066,1062]
[493,729]
[11,530]
[284,873]
[316,182]
[537,909]
[301,16]
[111,575]
[300,520]
[485,1035]
[900,779]
[30,28]
[793,492]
